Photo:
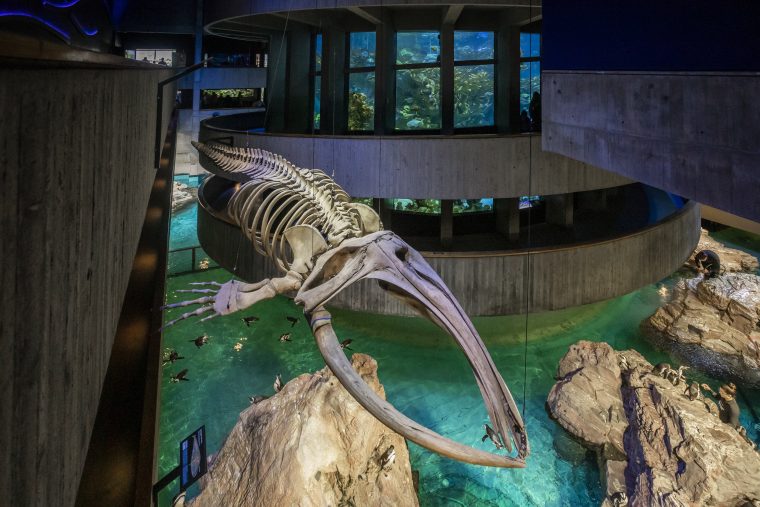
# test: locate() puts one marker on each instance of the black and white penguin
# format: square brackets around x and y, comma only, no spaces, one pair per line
[257,399]
[490,433]
[661,369]
[180,376]
[200,341]
[248,320]
[694,391]
[345,344]
[285,337]
[387,458]
[277,383]
[619,499]
[292,320]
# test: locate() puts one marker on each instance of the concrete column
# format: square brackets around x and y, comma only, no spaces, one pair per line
[593,200]
[559,210]
[297,111]
[508,217]
[198,57]
[447,79]
[447,223]
[384,211]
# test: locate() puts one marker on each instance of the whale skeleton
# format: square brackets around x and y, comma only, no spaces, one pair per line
[322,242]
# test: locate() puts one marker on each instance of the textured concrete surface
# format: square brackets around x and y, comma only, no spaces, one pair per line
[600,270]
[76,167]
[439,167]
[691,134]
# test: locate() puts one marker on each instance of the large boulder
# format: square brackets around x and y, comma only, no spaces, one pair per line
[731,259]
[675,450]
[311,444]
[713,325]
[182,195]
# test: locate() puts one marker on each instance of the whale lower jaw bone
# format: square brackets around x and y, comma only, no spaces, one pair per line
[404,273]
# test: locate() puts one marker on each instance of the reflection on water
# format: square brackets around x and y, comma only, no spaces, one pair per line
[425,376]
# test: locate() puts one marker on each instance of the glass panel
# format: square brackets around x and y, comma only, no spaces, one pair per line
[362,49]
[473,96]
[473,46]
[418,99]
[361,101]
[418,47]
[317,89]
[472,205]
[427,206]
[530,45]
[530,96]
[317,52]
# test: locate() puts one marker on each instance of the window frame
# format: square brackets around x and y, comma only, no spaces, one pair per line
[464,63]
[315,74]
[347,71]
[413,66]
[530,59]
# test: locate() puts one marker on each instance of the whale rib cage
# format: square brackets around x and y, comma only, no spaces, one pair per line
[276,195]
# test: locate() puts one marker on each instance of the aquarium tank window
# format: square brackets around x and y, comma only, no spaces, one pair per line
[433,206]
[474,62]
[473,206]
[316,78]
[530,82]
[229,98]
[361,81]
[418,80]
[528,201]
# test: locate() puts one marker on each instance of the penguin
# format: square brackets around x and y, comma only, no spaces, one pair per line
[180,376]
[619,499]
[170,356]
[694,391]
[200,341]
[285,337]
[661,369]
[490,433]
[277,383]
[257,399]
[676,376]
[247,320]
[292,320]
[345,344]
[387,458]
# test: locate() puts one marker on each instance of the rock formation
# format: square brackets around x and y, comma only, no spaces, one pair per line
[731,259]
[655,445]
[311,444]
[182,195]
[713,325]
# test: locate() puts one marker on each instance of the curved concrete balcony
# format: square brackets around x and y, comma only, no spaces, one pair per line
[493,282]
[424,166]
[238,18]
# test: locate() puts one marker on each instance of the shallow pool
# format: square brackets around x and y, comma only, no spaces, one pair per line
[425,376]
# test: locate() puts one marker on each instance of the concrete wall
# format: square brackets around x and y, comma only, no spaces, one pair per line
[76,167]
[494,283]
[442,167]
[688,133]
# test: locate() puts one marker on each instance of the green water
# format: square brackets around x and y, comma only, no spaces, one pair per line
[425,376]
